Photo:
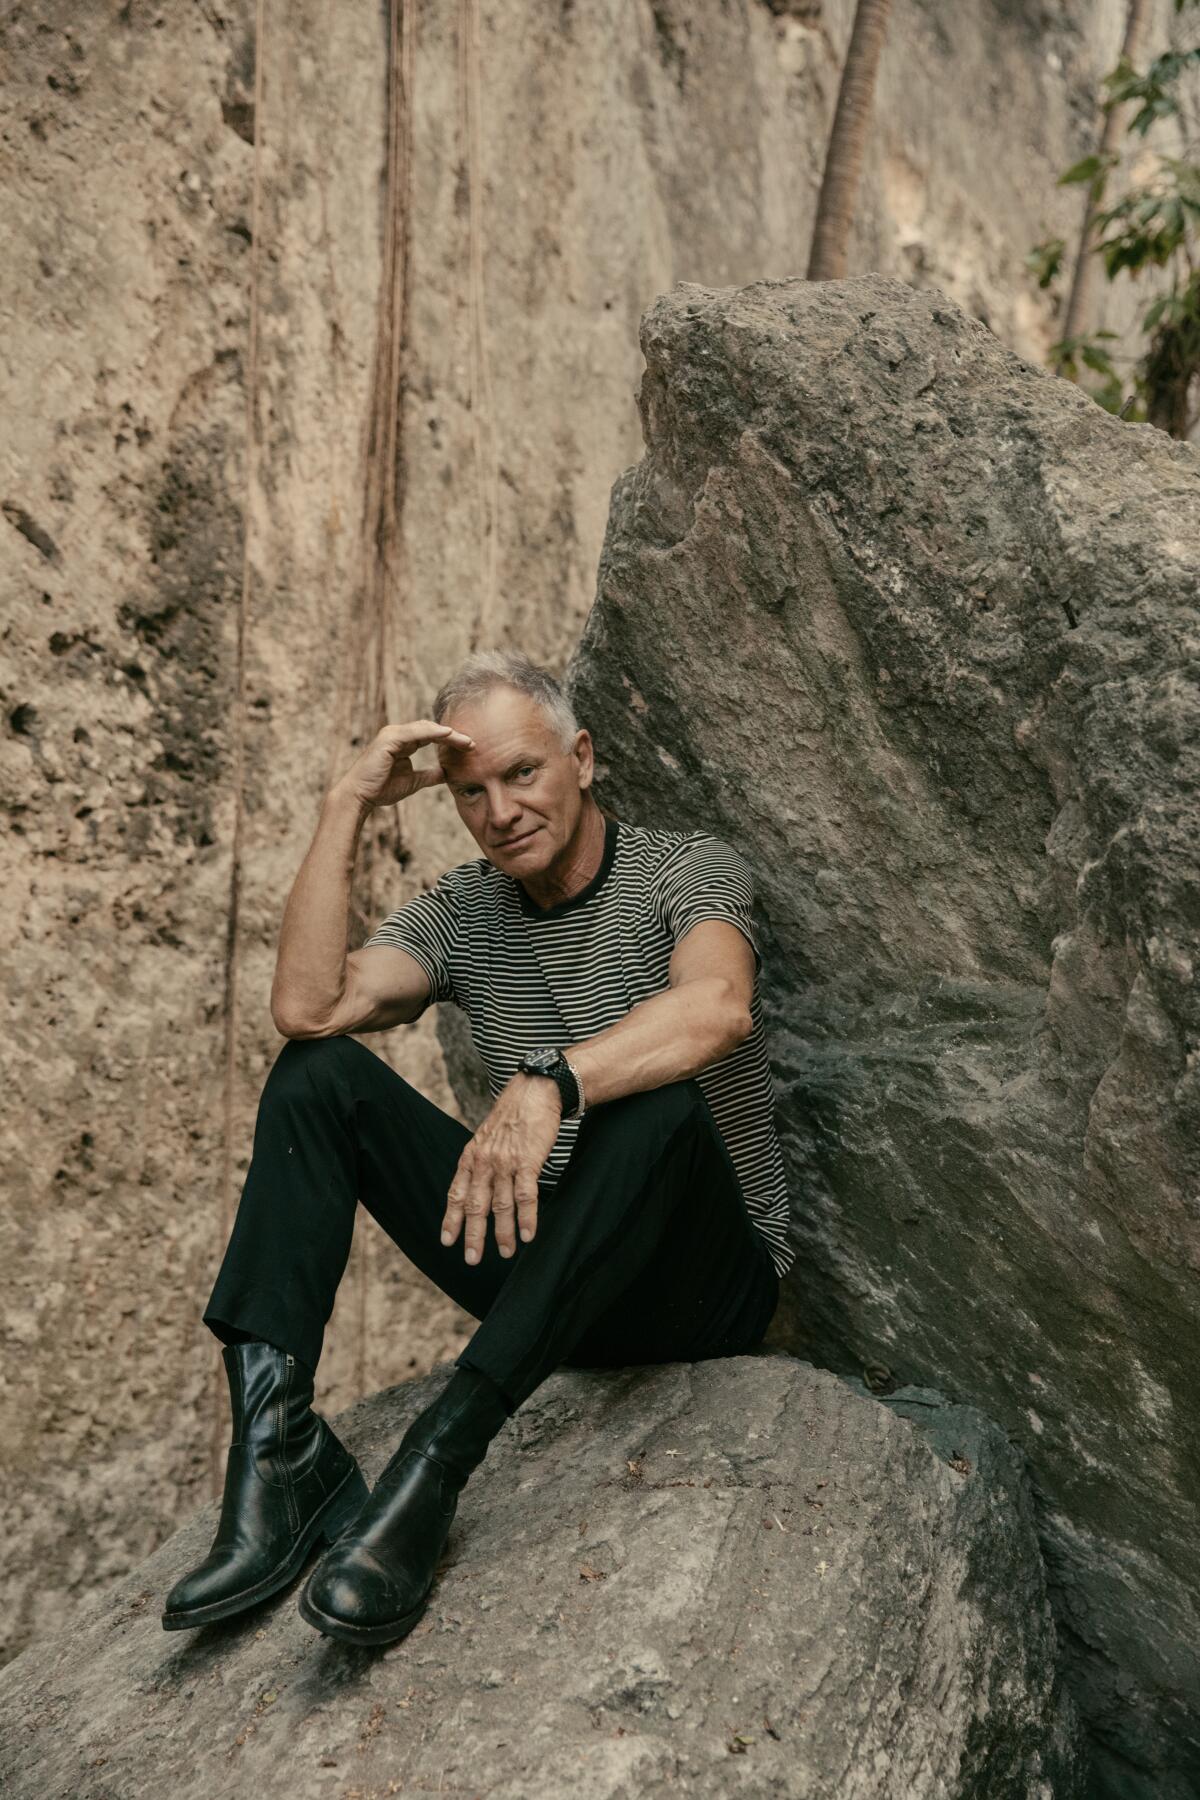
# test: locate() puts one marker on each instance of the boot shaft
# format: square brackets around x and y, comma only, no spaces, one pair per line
[458,1426]
[270,1394]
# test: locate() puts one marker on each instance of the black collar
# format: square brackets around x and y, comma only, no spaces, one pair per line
[532,910]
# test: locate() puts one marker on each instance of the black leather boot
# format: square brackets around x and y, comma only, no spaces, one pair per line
[373,1585]
[288,1482]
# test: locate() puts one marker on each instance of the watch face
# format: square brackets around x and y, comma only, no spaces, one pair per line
[541,1059]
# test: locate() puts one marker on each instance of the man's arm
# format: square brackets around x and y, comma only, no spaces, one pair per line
[701,1017]
[320,990]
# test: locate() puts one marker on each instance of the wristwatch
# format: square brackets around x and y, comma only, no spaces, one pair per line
[555,1064]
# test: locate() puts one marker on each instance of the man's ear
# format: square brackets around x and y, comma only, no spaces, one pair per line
[583,753]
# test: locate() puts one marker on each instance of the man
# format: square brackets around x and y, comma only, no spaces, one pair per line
[628,1164]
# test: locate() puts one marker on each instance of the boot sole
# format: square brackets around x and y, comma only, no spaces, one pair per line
[387,1633]
[339,1511]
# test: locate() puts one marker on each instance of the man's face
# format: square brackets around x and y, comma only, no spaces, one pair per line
[515,782]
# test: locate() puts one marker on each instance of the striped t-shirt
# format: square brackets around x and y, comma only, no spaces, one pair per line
[533,978]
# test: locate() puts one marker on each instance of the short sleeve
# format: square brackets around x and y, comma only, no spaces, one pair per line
[706,878]
[427,926]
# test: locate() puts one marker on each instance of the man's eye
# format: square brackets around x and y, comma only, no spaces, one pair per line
[526,768]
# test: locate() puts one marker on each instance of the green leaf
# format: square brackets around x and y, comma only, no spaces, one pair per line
[1098,360]
[1126,253]
[1045,260]
[1082,171]
[1110,396]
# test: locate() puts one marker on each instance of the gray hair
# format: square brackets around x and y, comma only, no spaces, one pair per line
[487,669]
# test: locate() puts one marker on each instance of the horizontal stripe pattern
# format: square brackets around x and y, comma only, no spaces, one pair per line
[531,980]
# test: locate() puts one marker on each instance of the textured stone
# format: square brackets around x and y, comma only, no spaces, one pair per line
[320,350]
[737,1576]
[916,626]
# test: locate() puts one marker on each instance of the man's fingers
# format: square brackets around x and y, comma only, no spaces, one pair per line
[421,731]
[456,1198]
[451,1222]
[479,1201]
[479,1188]
[504,1214]
[525,1192]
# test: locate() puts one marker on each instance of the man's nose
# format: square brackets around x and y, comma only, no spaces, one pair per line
[503,814]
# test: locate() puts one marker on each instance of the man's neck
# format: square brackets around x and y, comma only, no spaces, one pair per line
[578,863]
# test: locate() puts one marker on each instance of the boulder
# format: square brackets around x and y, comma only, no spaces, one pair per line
[320,333]
[916,626]
[744,1575]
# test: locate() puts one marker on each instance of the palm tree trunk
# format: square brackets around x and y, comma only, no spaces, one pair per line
[1085,262]
[847,142]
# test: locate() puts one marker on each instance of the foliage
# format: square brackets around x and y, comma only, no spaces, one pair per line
[1152,226]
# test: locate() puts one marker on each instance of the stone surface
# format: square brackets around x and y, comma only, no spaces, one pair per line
[741,1576]
[320,351]
[917,627]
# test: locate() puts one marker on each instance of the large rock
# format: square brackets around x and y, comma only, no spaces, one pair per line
[320,343]
[917,626]
[737,1576]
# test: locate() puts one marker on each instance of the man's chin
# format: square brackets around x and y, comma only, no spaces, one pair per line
[519,851]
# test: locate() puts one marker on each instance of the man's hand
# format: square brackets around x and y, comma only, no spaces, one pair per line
[384,773]
[499,1168]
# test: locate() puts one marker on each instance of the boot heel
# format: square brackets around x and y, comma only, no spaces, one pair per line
[345,1509]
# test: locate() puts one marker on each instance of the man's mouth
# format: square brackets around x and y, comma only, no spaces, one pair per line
[513,843]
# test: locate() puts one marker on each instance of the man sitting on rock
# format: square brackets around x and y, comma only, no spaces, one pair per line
[629,1161]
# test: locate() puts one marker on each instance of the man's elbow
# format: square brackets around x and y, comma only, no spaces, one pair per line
[742,1026]
[290,1023]
[736,1022]
[288,1026]
[283,1016]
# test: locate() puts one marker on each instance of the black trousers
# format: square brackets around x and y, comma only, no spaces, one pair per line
[644,1250]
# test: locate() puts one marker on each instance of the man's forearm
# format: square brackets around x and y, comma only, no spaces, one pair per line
[669,1037]
[310,970]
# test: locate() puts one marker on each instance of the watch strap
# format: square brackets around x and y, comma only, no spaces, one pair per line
[578,1106]
[565,1077]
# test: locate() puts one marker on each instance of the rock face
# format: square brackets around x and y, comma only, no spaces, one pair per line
[736,1576]
[917,627]
[320,348]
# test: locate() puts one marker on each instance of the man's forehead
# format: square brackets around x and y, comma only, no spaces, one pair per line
[494,747]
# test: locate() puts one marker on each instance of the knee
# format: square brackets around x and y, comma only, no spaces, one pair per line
[303,1062]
